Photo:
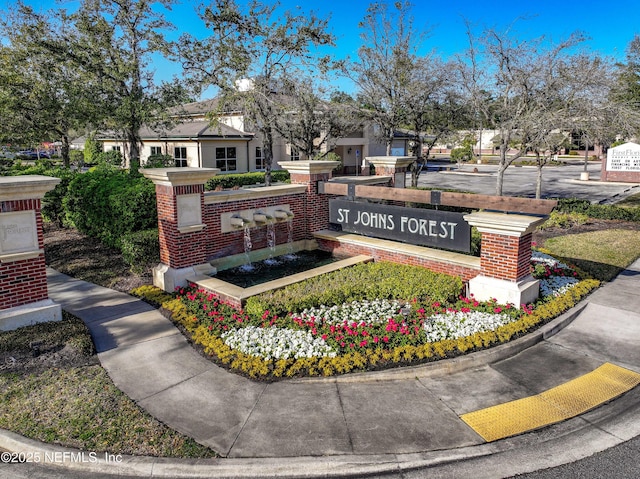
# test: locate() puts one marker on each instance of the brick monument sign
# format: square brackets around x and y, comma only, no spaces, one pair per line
[24,298]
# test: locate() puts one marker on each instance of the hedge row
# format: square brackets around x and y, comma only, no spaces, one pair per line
[605,212]
[245,179]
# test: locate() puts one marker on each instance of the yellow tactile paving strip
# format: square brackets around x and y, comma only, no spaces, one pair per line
[554,405]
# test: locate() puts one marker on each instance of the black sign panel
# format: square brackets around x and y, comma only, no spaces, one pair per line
[439,229]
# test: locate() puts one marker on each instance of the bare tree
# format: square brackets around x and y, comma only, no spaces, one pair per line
[308,121]
[434,107]
[516,76]
[258,46]
[383,69]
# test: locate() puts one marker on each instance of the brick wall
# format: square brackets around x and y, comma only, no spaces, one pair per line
[621,176]
[178,249]
[217,244]
[25,281]
[506,257]
[316,206]
[342,249]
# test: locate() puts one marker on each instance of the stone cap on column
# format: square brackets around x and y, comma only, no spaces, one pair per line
[179,176]
[26,187]
[309,167]
[504,223]
[391,161]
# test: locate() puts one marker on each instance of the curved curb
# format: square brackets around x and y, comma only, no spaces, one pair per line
[559,444]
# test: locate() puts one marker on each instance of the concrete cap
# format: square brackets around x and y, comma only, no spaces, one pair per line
[26,187]
[179,176]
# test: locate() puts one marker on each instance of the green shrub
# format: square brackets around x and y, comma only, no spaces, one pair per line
[245,179]
[159,161]
[605,212]
[53,201]
[111,158]
[558,219]
[109,203]
[381,280]
[141,249]
[92,149]
[76,157]
[461,155]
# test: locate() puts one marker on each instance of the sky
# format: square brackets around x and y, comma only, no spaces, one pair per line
[609,25]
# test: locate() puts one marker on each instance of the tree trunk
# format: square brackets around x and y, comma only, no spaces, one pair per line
[539,178]
[500,180]
[64,151]
[267,148]
[502,166]
[586,155]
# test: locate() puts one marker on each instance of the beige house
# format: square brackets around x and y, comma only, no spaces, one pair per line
[194,141]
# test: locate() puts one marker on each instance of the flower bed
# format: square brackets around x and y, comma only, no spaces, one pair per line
[364,334]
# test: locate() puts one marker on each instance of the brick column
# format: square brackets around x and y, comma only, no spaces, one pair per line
[394,166]
[316,208]
[505,257]
[181,230]
[24,297]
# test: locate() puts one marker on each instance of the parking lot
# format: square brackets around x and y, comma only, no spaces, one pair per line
[558,182]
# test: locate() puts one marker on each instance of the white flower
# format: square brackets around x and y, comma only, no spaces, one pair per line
[360,312]
[276,343]
[542,258]
[556,285]
[453,325]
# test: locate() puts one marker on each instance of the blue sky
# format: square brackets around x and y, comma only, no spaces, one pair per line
[609,25]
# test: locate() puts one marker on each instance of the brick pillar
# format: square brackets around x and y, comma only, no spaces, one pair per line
[394,166]
[24,297]
[316,207]
[181,229]
[505,257]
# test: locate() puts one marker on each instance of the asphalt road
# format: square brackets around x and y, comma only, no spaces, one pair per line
[558,181]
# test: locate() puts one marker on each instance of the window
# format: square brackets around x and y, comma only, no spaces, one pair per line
[295,153]
[156,150]
[180,155]
[226,158]
[259,159]
[115,148]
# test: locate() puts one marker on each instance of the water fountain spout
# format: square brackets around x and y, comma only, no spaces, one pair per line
[283,215]
[262,218]
[239,222]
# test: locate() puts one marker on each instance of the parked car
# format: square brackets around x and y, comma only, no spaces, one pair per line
[33,155]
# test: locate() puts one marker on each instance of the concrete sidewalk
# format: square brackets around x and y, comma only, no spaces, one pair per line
[389,422]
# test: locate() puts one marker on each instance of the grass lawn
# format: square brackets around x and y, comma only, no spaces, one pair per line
[602,254]
[630,201]
[60,394]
